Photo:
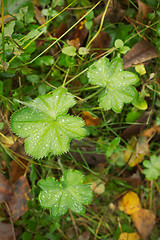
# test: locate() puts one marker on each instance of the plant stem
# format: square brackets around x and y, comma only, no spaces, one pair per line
[101,24]
[64,33]
[3,46]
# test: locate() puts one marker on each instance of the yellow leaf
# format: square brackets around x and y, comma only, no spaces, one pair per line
[8,140]
[90,120]
[129,203]
[129,236]
[140,68]
[144,221]
[141,148]
[98,187]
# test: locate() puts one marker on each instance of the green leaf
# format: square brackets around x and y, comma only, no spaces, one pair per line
[1,88]
[46,60]
[117,82]
[31,35]
[69,51]
[124,49]
[83,51]
[116,98]
[133,115]
[140,68]
[140,103]
[88,24]
[152,170]
[33,78]
[119,43]
[46,125]
[9,29]
[68,193]
[89,16]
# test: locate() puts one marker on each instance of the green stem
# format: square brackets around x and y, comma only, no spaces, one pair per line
[64,33]
[61,165]
[3,46]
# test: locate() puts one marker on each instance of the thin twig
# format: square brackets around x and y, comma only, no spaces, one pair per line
[10,216]
[74,223]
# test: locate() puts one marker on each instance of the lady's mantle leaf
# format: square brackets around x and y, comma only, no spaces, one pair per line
[68,193]
[152,170]
[45,124]
[117,82]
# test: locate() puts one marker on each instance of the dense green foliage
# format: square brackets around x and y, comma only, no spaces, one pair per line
[65,94]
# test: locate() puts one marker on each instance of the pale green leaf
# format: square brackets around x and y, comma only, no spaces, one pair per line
[115,98]
[117,82]
[46,126]
[9,29]
[118,43]
[69,193]
[31,35]
[69,51]
[152,170]
[98,73]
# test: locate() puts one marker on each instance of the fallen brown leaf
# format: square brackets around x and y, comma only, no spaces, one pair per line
[139,53]
[60,30]
[18,202]
[5,189]
[144,221]
[140,125]
[135,179]
[6,231]
[114,12]
[79,35]
[101,42]
[90,120]
[39,16]
[17,169]
[143,10]
[151,131]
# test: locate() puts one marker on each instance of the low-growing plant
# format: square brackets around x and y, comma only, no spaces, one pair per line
[48,128]
[50,120]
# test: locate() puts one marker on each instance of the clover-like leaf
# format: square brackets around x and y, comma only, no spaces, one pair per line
[152,170]
[116,81]
[46,125]
[69,193]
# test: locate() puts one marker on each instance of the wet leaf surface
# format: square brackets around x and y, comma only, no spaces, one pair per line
[69,193]
[46,125]
[116,81]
